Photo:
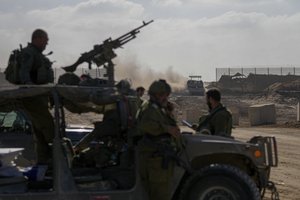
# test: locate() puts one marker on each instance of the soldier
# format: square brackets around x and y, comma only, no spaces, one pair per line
[160,133]
[85,77]
[219,119]
[99,155]
[139,93]
[118,119]
[35,68]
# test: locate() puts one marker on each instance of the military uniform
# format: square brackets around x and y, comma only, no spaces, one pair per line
[139,101]
[99,155]
[35,68]
[117,120]
[155,172]
[218,122]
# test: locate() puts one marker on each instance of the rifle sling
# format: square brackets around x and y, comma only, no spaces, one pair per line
[165,150]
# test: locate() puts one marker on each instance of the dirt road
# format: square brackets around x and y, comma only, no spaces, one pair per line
[287,175]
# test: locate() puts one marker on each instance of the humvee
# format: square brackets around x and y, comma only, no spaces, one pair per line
[209,167]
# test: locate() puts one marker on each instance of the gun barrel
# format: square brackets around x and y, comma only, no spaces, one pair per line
[103,53]
[130,35]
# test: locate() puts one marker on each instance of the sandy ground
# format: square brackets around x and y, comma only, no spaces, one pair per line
[287,175]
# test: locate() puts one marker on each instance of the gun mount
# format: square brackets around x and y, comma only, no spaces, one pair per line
[102,54]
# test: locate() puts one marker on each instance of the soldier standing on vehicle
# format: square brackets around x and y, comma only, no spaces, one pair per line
[219,119]
[160,132]
[35,68]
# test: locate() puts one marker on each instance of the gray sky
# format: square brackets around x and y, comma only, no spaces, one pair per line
[187,36]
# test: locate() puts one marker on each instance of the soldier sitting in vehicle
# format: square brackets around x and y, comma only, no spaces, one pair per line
[98,154]
[112,133]
[219,119]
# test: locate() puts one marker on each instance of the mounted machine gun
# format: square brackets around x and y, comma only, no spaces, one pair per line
[102,54]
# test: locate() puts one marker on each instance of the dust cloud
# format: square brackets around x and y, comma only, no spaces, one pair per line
[139,75]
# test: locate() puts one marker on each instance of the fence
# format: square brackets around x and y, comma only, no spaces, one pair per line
[276,70]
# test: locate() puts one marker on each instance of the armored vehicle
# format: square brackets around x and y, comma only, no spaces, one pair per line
[195,86]
[209,167]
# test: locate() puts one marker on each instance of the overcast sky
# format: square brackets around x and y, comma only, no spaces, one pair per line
[187,36]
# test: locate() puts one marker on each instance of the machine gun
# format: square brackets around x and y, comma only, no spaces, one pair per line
[102,54]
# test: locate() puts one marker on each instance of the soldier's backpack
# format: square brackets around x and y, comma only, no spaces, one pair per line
[12,70]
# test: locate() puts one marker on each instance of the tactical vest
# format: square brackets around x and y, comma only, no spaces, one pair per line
[45,72]
[41,71]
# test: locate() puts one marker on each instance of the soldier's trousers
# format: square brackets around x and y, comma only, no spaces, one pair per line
[156,179]
[43,126]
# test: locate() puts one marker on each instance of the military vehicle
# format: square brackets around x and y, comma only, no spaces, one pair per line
[195,85]
[209,167]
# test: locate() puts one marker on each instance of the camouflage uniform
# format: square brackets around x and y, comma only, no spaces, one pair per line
[36,69]
[153,121]
[218,122]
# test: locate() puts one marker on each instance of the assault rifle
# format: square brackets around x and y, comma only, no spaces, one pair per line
[102,54]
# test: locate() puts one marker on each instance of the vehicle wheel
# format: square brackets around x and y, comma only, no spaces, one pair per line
[219,182]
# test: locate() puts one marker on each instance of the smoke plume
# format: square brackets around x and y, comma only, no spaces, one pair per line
[140,75]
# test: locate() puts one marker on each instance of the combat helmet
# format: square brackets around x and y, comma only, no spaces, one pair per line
[159,87]
[124,87]
[68,78]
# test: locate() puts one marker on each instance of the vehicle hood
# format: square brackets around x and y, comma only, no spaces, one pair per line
[200,144]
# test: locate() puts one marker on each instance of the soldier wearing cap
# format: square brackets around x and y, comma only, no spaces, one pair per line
[159,130]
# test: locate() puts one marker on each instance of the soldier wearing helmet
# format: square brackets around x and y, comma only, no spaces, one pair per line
[159,130]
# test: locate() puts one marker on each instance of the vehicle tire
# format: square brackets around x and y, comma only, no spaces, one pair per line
[222,182]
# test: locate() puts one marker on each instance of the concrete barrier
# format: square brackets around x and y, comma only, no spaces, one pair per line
[262,114]
[235,112]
